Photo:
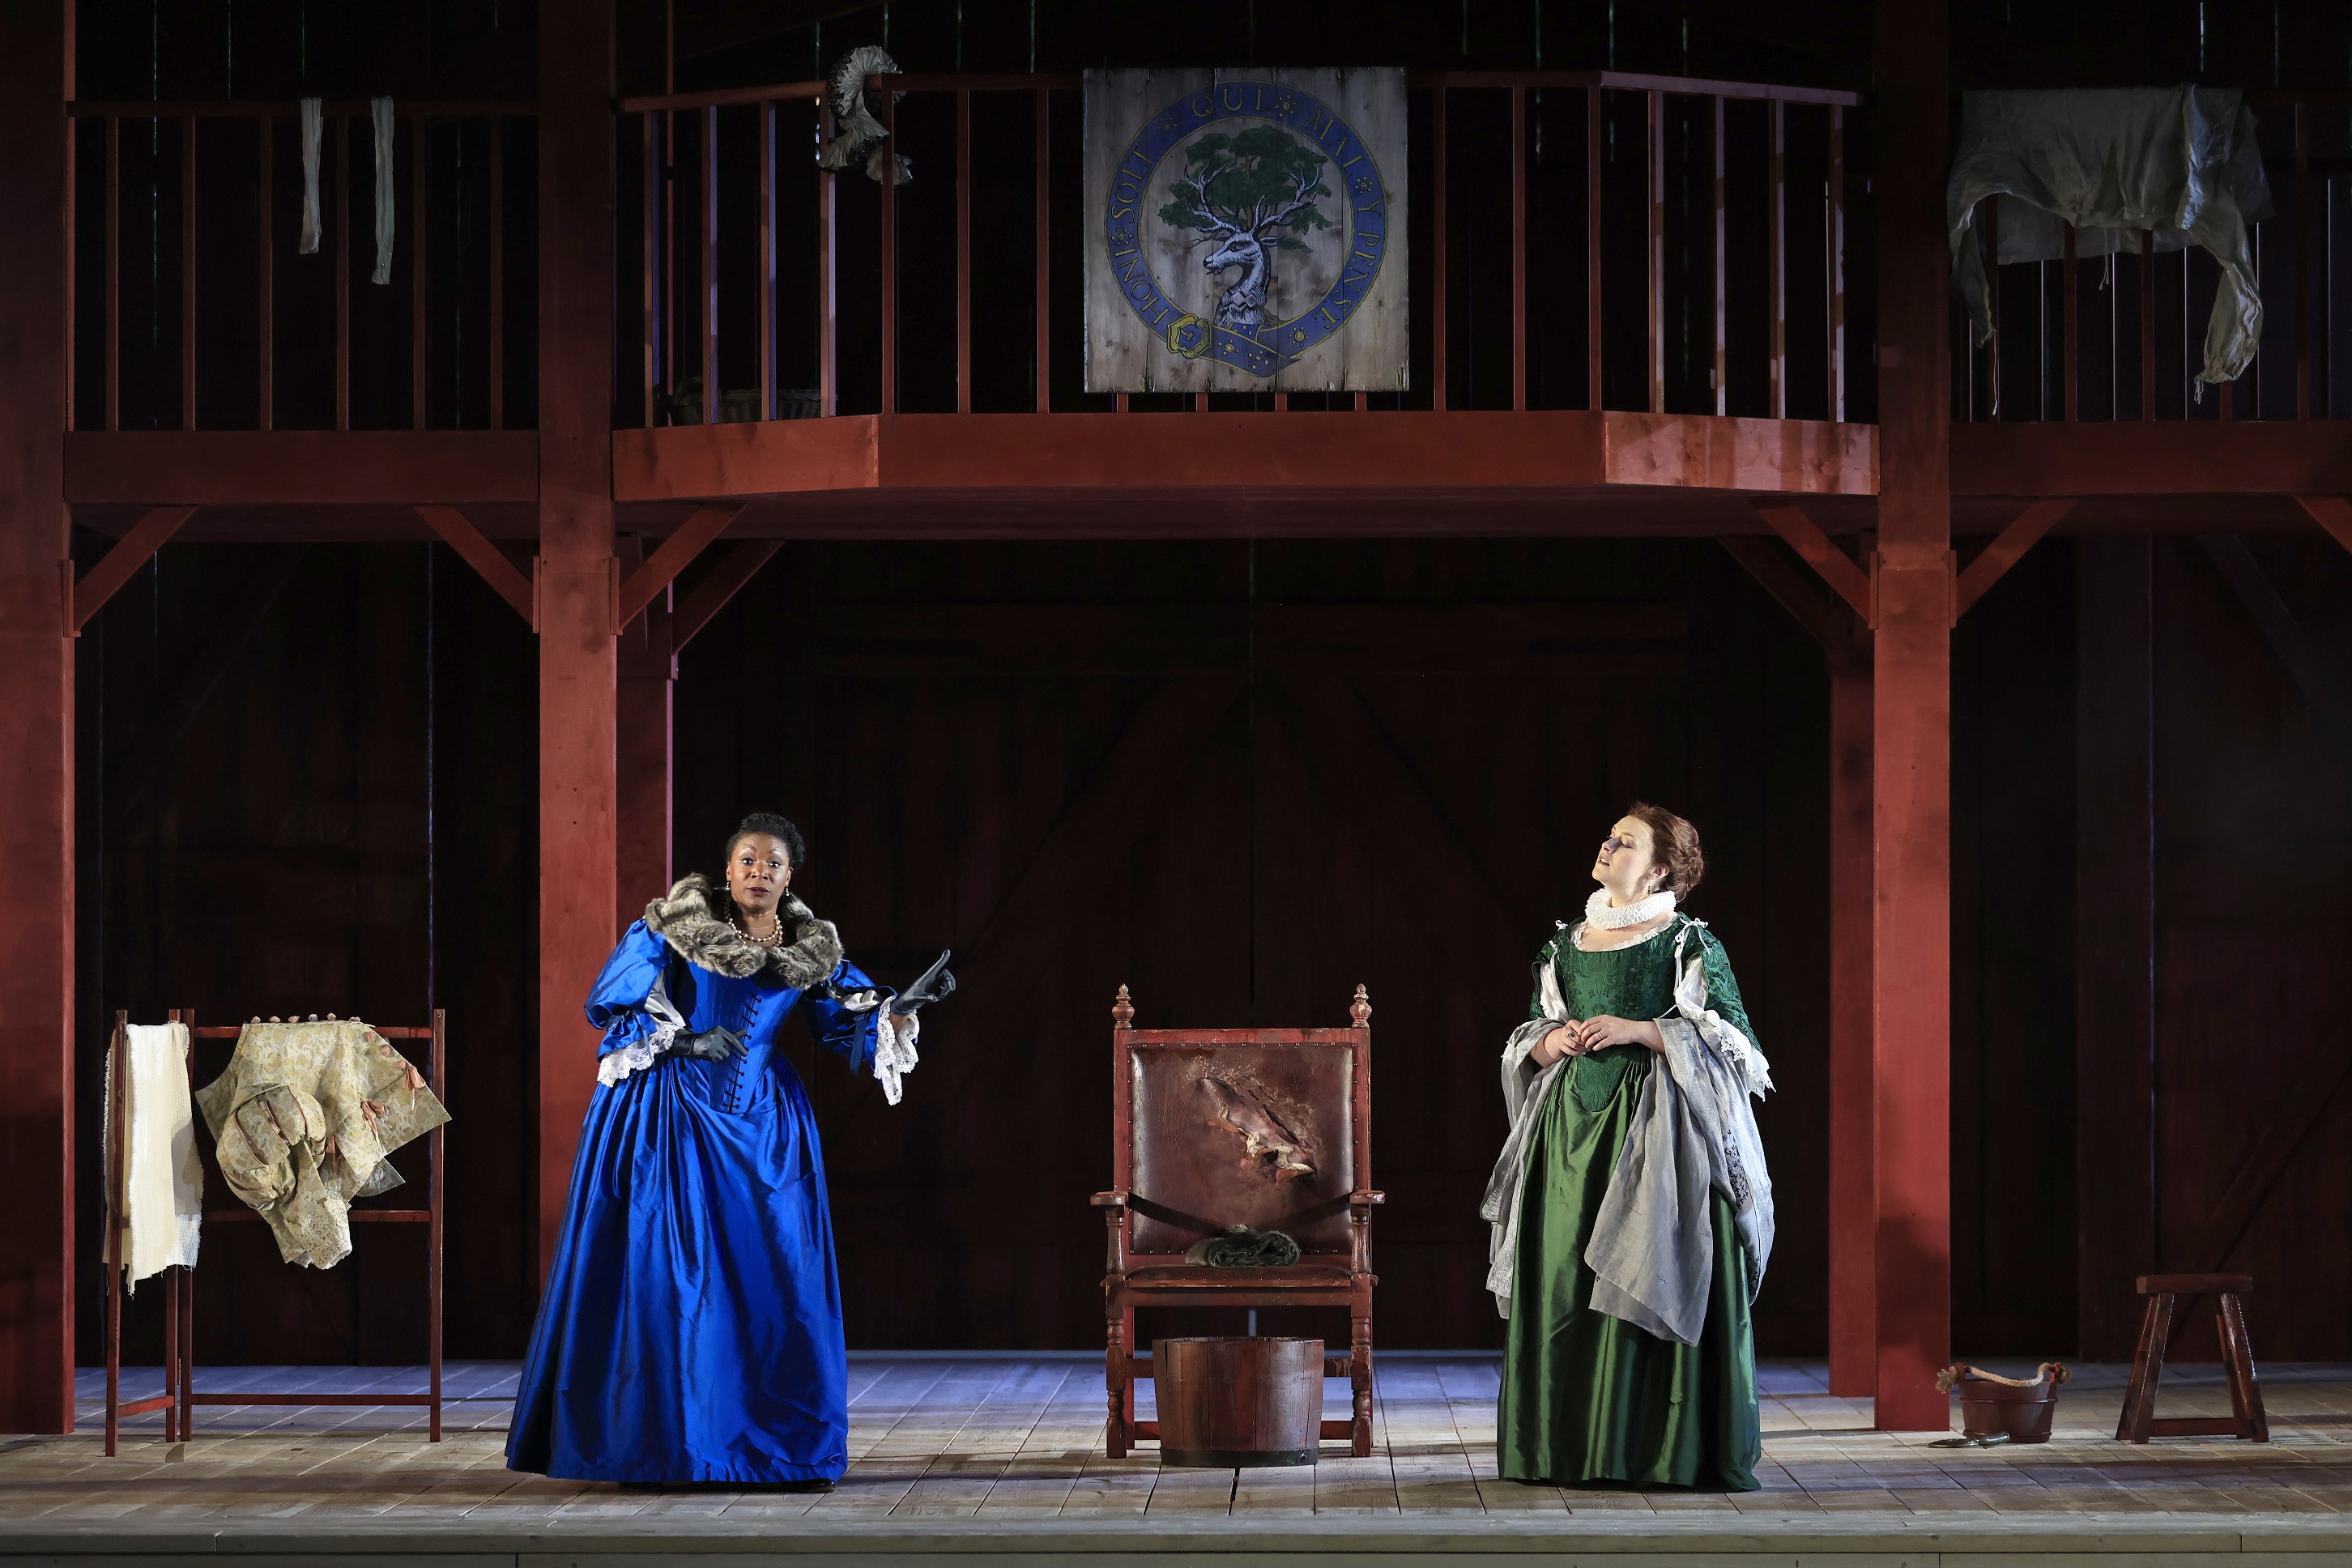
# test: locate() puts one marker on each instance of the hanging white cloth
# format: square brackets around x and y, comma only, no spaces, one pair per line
[2181,162]
[380,111]
[311,129]
[162,1207]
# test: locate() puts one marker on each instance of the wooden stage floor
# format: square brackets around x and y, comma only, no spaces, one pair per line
[971,1456]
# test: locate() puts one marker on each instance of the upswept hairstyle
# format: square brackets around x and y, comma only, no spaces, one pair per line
[774,826]
[1673,843]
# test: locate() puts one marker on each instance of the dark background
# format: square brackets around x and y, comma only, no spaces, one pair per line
[1239,778]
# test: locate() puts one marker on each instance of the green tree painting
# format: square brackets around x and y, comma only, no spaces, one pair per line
[1241,191]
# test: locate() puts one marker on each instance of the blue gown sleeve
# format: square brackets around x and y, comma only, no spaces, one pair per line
[616,1002]
[845,1031]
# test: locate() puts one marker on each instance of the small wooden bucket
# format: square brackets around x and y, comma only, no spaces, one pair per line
[1230,1402]
[2019,1410]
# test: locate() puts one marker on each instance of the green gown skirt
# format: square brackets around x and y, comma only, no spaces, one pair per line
[1588,1399]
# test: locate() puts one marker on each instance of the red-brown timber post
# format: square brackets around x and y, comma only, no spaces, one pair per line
[37,735]
[577,585]
[1912,809]
[648,673]
[1854,1112]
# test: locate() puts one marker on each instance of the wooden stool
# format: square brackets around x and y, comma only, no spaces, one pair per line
[2139,1422]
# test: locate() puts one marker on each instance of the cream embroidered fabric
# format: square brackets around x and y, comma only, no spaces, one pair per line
[304,1118]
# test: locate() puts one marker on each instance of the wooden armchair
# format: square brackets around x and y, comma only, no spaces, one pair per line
[1267,1127]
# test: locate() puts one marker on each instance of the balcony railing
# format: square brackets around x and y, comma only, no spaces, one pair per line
[1579,240]
[2107,338]
[194,308]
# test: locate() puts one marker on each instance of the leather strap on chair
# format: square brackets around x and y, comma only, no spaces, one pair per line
[1166,1215]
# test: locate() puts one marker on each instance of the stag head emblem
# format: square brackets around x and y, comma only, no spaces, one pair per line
[1242,192]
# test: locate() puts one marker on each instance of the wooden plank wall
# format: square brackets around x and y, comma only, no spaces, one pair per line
[1092,764]
[261,839]
[1069,740]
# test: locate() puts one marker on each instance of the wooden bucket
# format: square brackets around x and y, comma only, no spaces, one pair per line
[2004,1407]
[1229,1402]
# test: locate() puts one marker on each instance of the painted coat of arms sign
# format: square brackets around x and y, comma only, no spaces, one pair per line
[1245,231]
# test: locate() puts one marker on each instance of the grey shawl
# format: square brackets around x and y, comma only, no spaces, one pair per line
[1653,1246]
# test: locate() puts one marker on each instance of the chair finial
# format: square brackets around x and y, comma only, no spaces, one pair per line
[1122,1012]
[1360,1009]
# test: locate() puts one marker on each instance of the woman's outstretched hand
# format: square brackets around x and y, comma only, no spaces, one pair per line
[1606,1029]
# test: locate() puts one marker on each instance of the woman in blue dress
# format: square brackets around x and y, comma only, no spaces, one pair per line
[691,1326]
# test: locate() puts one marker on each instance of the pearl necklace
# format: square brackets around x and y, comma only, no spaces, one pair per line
[774,938]
[1597,911]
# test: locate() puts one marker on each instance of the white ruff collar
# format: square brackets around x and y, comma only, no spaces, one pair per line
[1597,911]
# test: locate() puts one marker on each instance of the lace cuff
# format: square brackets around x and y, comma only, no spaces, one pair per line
[614,1067]
[894,1052]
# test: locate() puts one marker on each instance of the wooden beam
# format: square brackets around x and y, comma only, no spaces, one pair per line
[2030,458]
[1486,449]
[2114,940]
[578,578]
[132,552]
[1853,1197]
[2333,513]
[1854,1072]
[459,532]
[1832,625]
[723,582]
[2006,550]
[1911,616]
[301,467]
[638,590]
[37,1023]
[644,736]
[1851,582]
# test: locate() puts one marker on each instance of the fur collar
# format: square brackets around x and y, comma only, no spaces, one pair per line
[705,939]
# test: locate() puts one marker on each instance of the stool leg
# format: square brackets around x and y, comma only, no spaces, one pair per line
[2238,1353]
[2148,1371]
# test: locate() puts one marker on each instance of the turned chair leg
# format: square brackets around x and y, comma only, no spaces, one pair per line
[1360,1378]
[1118,1384]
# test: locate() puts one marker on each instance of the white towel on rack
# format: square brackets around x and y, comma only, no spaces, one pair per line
[380,111]
[310,128]
[162,1181]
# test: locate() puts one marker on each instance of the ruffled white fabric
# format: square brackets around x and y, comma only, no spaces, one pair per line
[614,1066]
[1598,912]
[894,1052]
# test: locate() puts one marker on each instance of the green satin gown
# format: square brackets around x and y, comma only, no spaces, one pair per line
[1588,1399]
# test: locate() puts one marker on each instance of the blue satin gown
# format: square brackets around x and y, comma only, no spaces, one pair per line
[691,1327]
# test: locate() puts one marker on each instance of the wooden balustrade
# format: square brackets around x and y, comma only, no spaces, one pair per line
[189,193]
[1706,214]
[2071,347]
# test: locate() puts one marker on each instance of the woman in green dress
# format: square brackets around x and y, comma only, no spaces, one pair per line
[1632,1211]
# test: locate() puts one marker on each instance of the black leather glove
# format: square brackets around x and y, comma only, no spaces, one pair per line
[709,1046]
[934,984]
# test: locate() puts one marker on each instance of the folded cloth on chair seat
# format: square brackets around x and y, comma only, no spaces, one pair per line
[1241,1247]
[162,1179]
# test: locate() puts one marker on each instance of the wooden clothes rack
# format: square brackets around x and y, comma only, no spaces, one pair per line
[180,1397]
[179,1291]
